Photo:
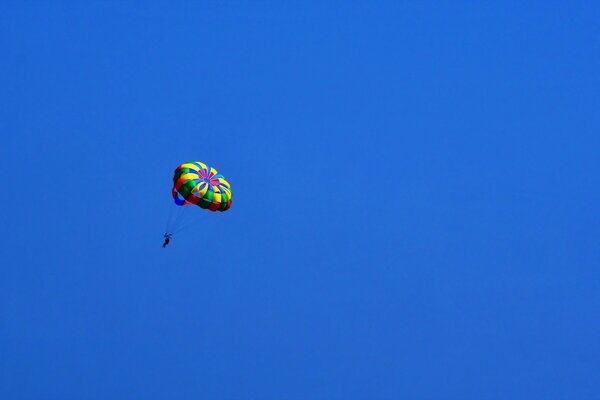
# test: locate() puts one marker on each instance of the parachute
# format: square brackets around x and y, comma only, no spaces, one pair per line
[196,184]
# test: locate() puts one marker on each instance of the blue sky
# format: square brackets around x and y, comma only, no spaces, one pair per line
[416,208]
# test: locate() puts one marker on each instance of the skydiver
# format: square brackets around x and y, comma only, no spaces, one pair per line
[167,239]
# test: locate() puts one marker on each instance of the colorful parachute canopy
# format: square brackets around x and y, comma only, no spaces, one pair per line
[196,183]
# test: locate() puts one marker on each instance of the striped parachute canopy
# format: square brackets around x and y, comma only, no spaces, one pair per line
[196,183]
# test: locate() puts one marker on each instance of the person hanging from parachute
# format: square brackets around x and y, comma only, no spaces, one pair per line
[194,183]
[167,239]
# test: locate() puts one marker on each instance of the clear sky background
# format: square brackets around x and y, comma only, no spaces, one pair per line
[416,210]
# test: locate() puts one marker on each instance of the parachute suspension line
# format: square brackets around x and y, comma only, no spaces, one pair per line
[182,228]
[178,218]
[186,225]
[175,218]
[179,214]
[168,227]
